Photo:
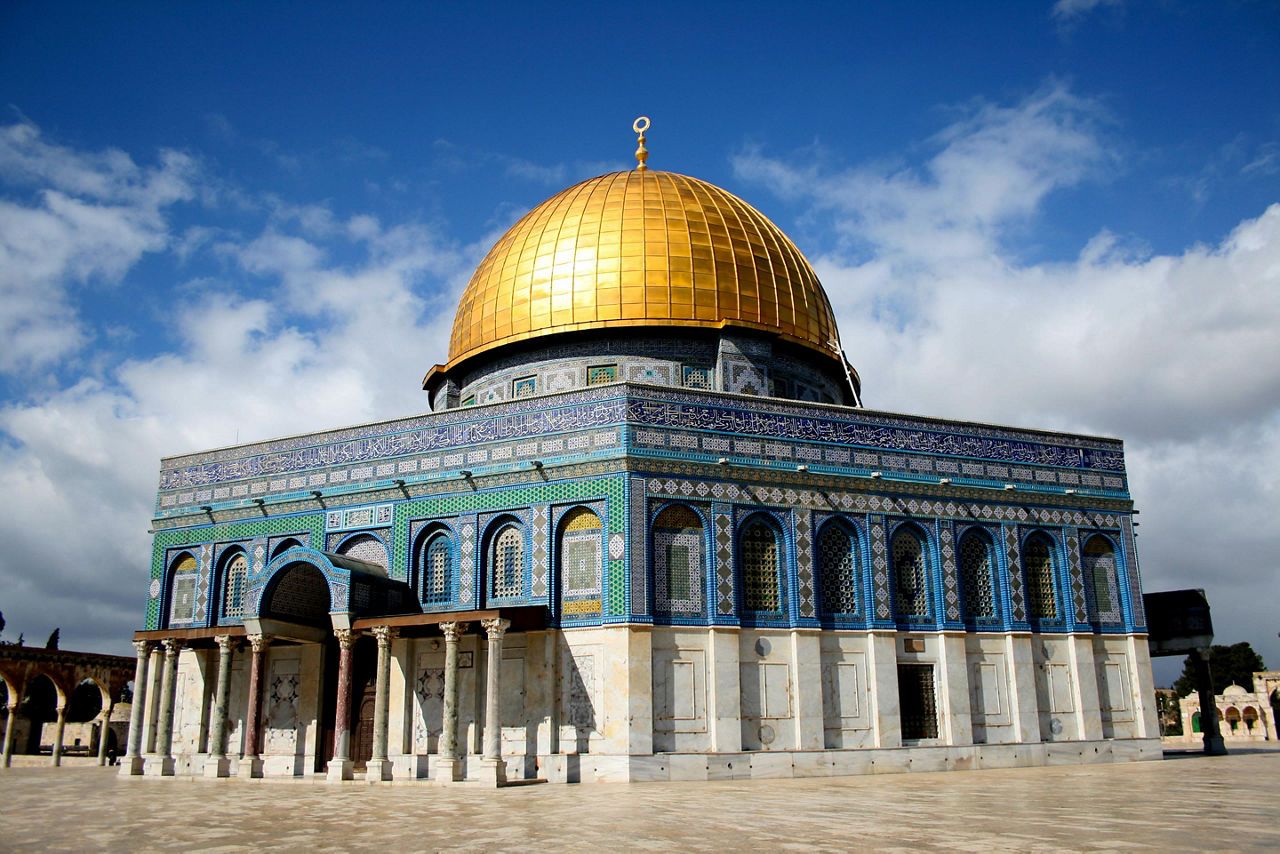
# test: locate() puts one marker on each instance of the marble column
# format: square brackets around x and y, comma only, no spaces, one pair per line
[132,762]
[12,708]
[340,766]
[448,765]
[493,769]
[379,767]
[57,735]
[251,763]
[217,764]
[104,731]
[163,765]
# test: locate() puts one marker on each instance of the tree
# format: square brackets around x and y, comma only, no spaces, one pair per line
[1231,665]
[52,642]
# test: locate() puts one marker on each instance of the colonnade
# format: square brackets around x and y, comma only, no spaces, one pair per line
[14,704]
[158,760]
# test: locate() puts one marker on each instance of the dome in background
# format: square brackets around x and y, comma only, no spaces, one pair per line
[642,249]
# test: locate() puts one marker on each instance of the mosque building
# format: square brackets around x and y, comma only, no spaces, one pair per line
[647,531]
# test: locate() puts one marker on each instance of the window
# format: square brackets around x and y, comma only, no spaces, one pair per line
[469,400]
[917,702]
[235,577]
[678,562]
[911,584]
[838,570]
[365,547]
[760,568]
[182,606]
[581,561]
[1037,562]
[506,560]
[697,376]
[598,374]
[1102,588]
[975,576]
[435,569]
[523,387]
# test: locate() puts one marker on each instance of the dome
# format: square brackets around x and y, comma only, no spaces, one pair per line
[641,249]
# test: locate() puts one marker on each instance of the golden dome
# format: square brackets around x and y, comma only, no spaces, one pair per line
[641,248]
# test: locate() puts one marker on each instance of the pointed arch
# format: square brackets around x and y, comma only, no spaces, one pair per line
[434,559]
[233,583]
[505,557]
[366,547]
[839,569]
[183,574]
[580,557]
[1101,581]
[760,564]
[977,564]
[679,562]
[910,572]
[1038,573]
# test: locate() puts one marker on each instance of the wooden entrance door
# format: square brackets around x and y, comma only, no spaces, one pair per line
[362,727]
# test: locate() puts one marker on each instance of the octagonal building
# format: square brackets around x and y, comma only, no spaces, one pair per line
[647,531]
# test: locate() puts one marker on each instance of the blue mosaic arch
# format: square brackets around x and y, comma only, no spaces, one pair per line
[672,611]
[218,587]
[338,579]
[493,528]
[745,550]
[843,601]
[927,573]
[426,535]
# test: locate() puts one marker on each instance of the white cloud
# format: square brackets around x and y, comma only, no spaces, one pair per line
[1177,353]
[1066,11]
[319,344]
[90,216]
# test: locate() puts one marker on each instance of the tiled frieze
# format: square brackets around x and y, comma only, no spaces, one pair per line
[593,421]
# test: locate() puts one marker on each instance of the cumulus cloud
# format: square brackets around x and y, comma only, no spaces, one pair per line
[320,343]
[1176,353]
[71,218]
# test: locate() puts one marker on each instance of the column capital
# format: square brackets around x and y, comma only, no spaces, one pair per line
[258,642]
[384,634]
[346,637]
[226,643]
[452,630]
[142,647]
[496,627]
[171,647]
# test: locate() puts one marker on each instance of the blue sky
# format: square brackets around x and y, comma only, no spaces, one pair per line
[232,221]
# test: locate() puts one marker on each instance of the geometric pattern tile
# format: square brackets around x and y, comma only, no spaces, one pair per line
[880,568]
[1019,607]
[724,559]
[804,565]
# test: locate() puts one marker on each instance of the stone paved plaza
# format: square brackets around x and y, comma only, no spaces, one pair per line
[1189,803]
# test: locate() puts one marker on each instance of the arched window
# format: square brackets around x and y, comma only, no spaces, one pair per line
[506,563]
[235,578]
[678,562]
[975,576]
[182,589]
[435,569]
[365,547]
[760,591]
[1101,584]
[910,578]
[838,570]
[581,559]
[1037,562]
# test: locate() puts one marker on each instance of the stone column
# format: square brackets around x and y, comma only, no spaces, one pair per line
[217,764]
[12,708]
[340,766]
[164,724]
[1213,743]
[251,763]
[379,767]
[493,770]
[57,735]
[132,762]
[103,731]
[448,765]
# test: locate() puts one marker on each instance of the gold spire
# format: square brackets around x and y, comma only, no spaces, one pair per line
[641,125]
